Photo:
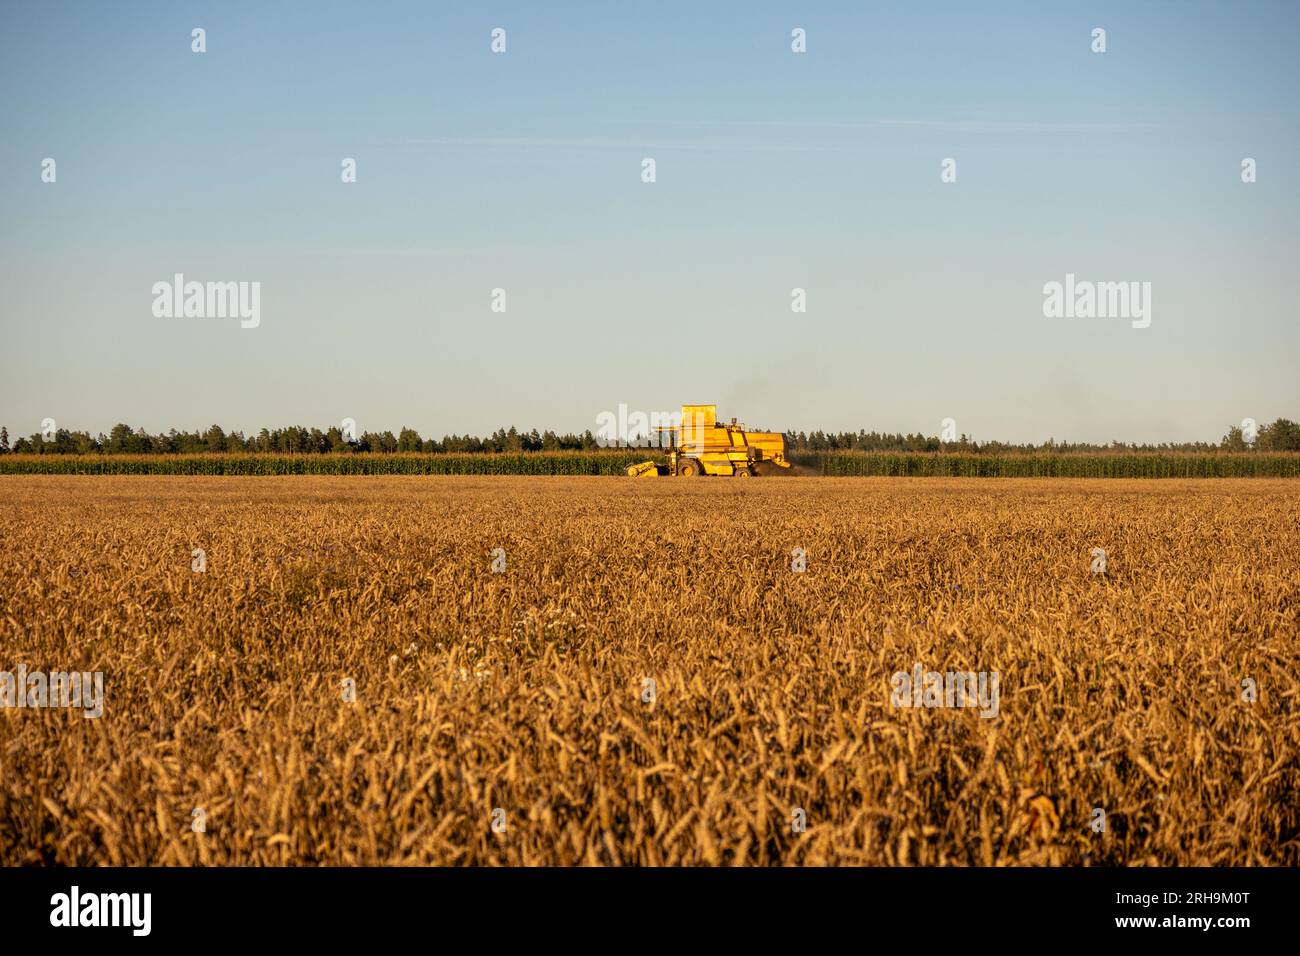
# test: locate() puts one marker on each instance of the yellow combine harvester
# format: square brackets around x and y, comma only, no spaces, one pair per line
[707,446]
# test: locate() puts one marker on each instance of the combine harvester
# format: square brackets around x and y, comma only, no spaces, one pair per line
[710,447]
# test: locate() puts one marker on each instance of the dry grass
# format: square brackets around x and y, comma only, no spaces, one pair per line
[522,690]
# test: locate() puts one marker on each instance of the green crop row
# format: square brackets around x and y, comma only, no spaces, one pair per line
[532,463]
[1173,465]
[834,464]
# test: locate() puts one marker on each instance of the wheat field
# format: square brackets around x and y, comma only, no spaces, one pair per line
[640,675]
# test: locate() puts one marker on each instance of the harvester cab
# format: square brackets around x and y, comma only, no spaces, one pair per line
[702,445]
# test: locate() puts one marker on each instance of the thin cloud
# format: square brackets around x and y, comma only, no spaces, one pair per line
[972,126]
[586,143]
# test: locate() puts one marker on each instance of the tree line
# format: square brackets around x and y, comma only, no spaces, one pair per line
[294,440]
[1281,435]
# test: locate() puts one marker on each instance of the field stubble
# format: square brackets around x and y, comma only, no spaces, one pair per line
[526,690]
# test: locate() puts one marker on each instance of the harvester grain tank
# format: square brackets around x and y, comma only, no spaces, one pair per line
[705,446]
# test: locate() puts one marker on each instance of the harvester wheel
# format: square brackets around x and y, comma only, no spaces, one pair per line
[690,468]
[744,473]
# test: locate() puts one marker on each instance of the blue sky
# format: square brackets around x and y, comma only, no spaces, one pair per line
[774,171]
